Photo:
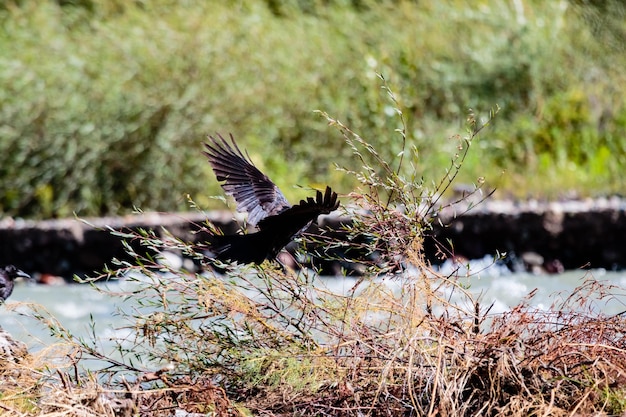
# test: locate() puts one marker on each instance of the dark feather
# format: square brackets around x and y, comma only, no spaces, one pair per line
[277,221]
[253,191]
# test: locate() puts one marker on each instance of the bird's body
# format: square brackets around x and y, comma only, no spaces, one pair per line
[277,221]
[8,274]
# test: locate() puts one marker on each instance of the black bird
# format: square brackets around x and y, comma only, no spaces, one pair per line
[7,276]
[277,221]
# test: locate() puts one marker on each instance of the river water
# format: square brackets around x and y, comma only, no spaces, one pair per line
[75,305]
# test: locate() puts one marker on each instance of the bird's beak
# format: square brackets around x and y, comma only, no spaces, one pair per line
[23,274]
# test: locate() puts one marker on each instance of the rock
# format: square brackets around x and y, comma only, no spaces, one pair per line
[11,350]
[49,279]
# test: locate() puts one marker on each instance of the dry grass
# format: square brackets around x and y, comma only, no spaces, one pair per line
[395,346]
[32,387]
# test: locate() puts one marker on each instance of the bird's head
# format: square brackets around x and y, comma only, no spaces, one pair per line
[12,273]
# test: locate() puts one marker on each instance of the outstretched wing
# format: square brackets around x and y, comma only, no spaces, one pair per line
[253,191]
[275,232]
[292,220]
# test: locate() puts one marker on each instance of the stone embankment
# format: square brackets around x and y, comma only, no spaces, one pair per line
[566,234]
[554,235]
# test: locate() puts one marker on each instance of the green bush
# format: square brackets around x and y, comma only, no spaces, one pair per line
[104,105]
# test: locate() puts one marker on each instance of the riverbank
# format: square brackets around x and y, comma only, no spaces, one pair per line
[559,235]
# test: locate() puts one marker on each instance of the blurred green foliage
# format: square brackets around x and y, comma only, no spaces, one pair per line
[104,104]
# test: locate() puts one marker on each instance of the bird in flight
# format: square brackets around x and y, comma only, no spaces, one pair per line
[8,274]
[277,221]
